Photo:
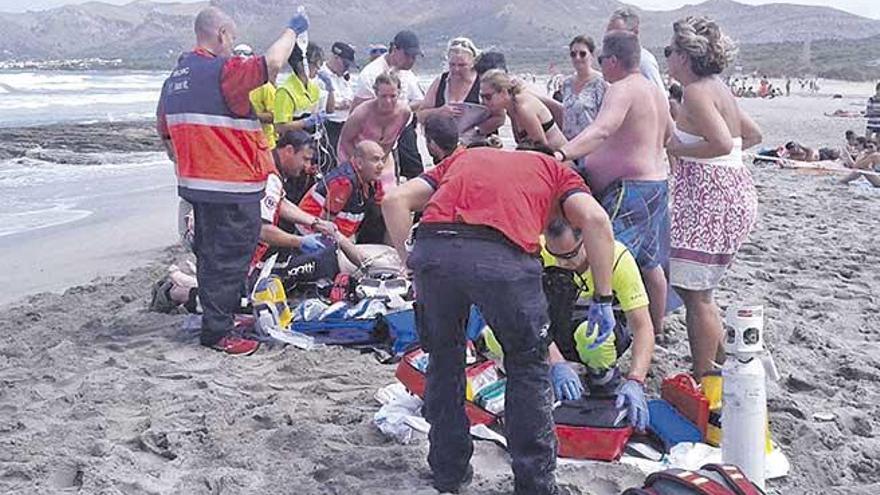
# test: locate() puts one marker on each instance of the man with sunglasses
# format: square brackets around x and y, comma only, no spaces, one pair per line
[569,288]
[477,241]
[335,73]
[624,162]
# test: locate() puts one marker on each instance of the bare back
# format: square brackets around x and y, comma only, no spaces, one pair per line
[722,100]
[635,149]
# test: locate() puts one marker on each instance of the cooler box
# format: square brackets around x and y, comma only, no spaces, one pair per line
[591,428]
[684,394]
[484,386]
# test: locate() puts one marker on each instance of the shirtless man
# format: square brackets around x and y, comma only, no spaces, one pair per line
[624,161]
[868,163]
[381,120]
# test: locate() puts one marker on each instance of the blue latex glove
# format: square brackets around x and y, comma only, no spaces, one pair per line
[299,23]
[325,78]
[600,316]
[632,395]
[566,384]
[315,119]
[311,243]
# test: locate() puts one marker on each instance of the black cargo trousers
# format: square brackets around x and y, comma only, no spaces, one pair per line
[454,266]
[226,236]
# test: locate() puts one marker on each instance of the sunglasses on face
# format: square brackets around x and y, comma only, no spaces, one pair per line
[567,255]
[578,54]
[603,58]
[486,96]
[668,51]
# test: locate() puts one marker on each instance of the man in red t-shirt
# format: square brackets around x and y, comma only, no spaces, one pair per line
[478,242]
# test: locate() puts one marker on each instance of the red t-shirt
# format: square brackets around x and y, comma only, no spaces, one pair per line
[514,192]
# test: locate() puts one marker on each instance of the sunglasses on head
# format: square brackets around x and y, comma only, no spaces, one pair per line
[578,54]
[567,255]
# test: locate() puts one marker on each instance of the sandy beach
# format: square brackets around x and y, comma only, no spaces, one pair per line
[98,395]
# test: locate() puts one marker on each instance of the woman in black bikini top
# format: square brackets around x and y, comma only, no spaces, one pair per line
[531,120]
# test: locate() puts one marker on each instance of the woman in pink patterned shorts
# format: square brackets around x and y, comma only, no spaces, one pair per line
[714,205]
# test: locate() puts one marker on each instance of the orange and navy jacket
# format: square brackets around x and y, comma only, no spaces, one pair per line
[221,152]
[344,194]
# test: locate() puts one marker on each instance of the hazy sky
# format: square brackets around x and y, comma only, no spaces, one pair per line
[867,8]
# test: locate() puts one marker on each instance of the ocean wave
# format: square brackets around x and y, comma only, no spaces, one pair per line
[53,167]
[24,221]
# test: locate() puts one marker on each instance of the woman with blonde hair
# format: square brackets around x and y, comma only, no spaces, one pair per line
[714,203]
[533,123]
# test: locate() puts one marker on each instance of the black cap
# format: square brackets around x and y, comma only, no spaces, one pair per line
[344,50]
[408,42]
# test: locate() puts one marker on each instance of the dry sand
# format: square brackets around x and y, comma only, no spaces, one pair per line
[97,395]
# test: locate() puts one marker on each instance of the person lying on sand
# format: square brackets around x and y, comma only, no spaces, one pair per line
[801,153]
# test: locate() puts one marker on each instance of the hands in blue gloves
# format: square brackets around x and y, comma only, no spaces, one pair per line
[632,395]
[566,383]
[311,243]
[299,23]
[600,317]
[315,119]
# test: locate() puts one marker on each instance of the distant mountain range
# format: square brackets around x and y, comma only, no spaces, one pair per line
[152,34]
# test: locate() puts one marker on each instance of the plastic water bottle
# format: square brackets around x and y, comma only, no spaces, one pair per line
[302,39]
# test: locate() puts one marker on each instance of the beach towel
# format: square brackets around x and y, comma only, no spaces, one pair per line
[714,207]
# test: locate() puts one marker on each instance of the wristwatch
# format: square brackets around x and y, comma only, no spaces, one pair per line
[603,299]
[560,155]
[315,223]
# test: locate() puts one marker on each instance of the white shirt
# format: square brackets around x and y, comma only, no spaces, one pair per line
[651,70]
[272,199]
[410,91]
[343,92]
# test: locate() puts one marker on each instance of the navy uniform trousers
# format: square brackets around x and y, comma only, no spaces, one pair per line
[225,240]
[456,265]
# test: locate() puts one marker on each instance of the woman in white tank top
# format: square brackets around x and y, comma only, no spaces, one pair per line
[714,204]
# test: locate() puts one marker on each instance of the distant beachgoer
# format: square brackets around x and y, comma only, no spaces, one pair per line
[532,122]
[404,52]
[297,101]
[624,162]
[206,123]
[626,19]
[714,202]
[796,151]
[787,86]
[334,77]
[583,91]
[381,120]
[375,51]
[868,161]
[488,61]
[872,113]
